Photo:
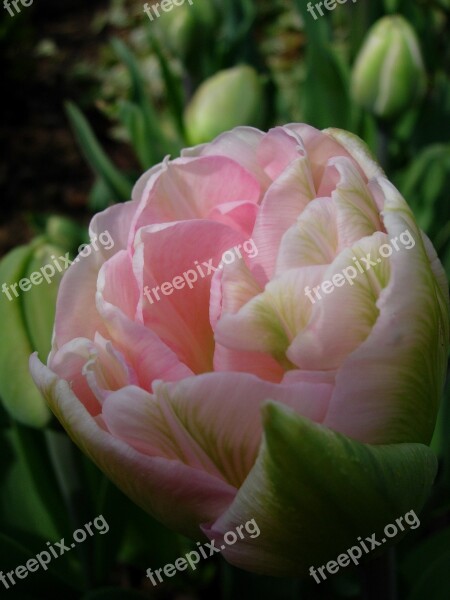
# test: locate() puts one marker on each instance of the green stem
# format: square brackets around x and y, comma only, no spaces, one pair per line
[379,578]
[66,466]
[383,134]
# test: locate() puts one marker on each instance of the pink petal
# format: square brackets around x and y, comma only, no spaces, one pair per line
[150,358]
[177,495]
[284,201]
[191,188]
[181,318]
[203,421]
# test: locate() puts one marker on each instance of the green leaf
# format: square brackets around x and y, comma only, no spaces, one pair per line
[426,568]
[113,594]
[174,88]
[99,196]
[132,118]
[325,89]
[14,554]
[155,137]
[343,489]
[118,184]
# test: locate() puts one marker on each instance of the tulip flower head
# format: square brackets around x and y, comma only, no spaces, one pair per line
[237,398]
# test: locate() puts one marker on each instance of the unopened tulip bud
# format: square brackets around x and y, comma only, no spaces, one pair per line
[29,279]
[230,98]
[389,74]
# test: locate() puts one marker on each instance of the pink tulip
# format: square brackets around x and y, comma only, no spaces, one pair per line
[278,385]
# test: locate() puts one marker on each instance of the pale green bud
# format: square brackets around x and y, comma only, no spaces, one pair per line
[389,74]
[29,280]
[230,98]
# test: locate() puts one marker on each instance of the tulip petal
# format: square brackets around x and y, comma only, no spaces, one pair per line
[265,155]
[181,318]
[312,240]
[357,212]
[149,356]
[115,221]
[358,150]
[343,490]
[177,495]
[320,148]
[238,215]
[284,201]
[271,320]
[191,188]
[408,345]
[344,316]
[262,365]
[203,422]
[76,313]
[231,288]
[117,284]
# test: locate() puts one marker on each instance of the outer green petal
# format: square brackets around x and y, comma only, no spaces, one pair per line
[312,492]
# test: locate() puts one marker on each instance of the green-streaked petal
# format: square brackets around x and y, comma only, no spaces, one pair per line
[389,389]
[270,321]
[343,317]
[343,489]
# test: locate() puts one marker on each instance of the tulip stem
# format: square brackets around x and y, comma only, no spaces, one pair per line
[379,578]
[383,134]
[67,470]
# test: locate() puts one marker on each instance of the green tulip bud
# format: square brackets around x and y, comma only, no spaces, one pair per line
[64,232]
[27,313]
[230,98]
[389,74]
[186,25]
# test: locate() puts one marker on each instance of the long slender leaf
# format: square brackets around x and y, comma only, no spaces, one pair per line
[175,96]
[133,120]
[119,185]
[156,139]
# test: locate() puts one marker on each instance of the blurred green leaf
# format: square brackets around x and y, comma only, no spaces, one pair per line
[132,118]
[118,184]
[42,583]
[174,88]
[426,568]
[158,144]
[113,594]
[99,196]
[324,92]
[425,183]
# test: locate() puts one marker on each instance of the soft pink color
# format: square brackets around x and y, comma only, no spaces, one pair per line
[166,397]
